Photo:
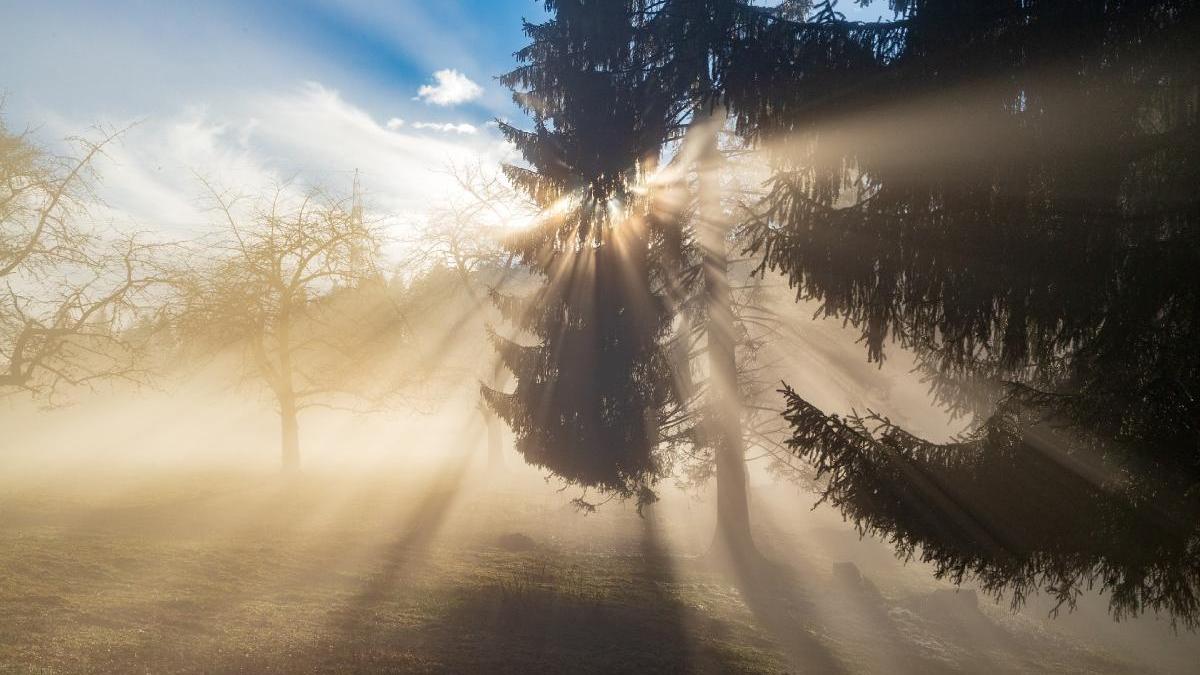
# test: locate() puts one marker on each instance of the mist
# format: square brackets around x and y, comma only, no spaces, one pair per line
[687,336]
[152,526]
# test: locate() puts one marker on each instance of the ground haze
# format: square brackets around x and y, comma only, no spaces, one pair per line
[440,564]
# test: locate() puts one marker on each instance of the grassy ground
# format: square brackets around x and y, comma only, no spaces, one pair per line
[443,572]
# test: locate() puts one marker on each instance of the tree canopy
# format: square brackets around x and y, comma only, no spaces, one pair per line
[1004,188]
[593,386]
[1008,191]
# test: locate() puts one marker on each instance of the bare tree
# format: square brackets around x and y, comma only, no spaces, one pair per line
[292,280]
[69,289]
[463,233]
[463,236]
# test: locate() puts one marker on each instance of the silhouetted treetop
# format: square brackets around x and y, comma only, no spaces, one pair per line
[592,385]
[985,183]
[1023,203]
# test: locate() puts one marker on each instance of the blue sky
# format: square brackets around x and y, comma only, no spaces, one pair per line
[140,56]
[250,94]
[253,93]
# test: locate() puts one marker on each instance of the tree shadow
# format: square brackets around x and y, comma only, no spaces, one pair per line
[548,614]
[937,632]
[687,637]
[822,625]
[774,597]
[659,575]
[398,556]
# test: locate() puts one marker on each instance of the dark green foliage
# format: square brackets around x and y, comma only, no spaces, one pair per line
[1020,505]
[589,394]
[996,188]
[1034,217]
[594,387]
[1008,189]
[609,85]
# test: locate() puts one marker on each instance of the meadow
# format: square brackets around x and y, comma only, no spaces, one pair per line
[449,568]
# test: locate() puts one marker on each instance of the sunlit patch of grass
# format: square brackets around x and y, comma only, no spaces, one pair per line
[112,588]
[419,573]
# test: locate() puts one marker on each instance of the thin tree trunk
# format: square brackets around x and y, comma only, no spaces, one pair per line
[289,438]
[494,427]
[494,447]
[724,404]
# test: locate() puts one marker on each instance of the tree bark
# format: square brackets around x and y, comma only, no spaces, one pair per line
[289,437]
[724,413]
[495,448]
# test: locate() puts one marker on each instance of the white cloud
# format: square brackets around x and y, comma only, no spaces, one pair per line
[395,123]
[452,88]
[306,135]
[462,128]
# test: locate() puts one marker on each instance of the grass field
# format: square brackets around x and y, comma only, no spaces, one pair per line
[447,570]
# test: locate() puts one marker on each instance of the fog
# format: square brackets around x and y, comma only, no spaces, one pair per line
[682,336]
[151,526]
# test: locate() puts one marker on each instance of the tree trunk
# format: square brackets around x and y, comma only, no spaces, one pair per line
[289,424]
[289,438]
[724,413]
[494,439]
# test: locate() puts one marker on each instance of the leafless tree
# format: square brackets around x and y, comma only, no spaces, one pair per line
[292,281]
[463,233]
[69,288]
[463,236]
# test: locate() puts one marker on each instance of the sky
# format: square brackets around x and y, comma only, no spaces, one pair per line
[249,94]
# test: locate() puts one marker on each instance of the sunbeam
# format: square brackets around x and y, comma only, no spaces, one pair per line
[634,336]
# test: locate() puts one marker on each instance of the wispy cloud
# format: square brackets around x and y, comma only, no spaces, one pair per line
[451,88]
[305,135]
[448,127]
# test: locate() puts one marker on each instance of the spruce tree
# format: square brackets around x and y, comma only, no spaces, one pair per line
[614,88]
[1006,189]
[594,386]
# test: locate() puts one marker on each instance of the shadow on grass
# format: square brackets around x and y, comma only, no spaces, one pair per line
[419,530]
[796,603]
[527,612]
[774,596]
[621,618]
